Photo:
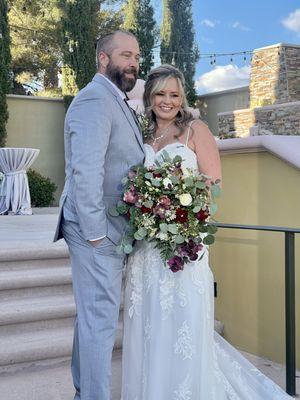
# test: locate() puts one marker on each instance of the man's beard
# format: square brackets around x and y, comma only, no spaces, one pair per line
[117,76]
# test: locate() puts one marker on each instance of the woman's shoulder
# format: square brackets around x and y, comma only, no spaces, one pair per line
[199,128]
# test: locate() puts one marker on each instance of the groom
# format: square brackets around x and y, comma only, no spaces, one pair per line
[102,142]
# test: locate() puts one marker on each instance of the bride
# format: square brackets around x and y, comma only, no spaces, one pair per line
[170,349]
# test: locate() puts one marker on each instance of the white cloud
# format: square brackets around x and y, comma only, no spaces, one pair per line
[222,78]
[240,26]
[209,23]
[206,40]
[292,22]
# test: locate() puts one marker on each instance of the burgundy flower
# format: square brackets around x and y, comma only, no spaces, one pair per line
[202,215]
[176,264]
[145,210]
[157,175]
[181,215]
[190,250]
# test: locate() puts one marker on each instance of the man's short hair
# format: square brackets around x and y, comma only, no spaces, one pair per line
[106,43]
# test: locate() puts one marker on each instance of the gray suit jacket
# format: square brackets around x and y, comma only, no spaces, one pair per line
[102,142]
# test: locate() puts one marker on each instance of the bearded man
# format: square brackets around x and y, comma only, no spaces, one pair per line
[102,142]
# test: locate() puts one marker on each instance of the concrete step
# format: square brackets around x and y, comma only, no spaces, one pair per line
[16,275]
[22,350]
[36,309]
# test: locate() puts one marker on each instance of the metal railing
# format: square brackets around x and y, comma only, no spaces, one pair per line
[290,314]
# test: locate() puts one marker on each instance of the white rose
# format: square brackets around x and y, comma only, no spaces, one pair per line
[167,182]
[185,199]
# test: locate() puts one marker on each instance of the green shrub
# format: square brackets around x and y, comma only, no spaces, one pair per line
[41,189]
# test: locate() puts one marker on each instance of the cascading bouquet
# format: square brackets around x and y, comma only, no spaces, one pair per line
[170,205]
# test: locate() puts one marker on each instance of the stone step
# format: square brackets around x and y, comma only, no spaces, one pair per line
[22,350]
[36,309]
[22,276]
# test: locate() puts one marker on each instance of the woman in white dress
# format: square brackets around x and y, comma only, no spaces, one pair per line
[170,349]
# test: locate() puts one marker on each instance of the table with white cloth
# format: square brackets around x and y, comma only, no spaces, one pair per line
[14,188]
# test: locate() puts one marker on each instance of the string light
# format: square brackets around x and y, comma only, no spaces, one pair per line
[211,56]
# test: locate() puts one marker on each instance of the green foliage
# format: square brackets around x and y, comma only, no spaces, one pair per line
[79,35]
[79,32]
[139,19]
[35,45]
[41,189]
[178,45]
[5,60]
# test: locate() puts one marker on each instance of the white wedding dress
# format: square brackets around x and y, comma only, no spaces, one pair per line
[170,349]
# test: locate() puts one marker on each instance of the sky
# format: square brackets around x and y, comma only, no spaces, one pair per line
[231,26]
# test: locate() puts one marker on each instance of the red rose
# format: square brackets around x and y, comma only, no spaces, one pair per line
[181,215]
[145,210]
[202,215]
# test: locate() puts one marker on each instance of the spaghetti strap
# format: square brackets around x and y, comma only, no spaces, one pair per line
[188,134]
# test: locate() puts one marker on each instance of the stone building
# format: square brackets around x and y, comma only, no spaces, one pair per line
[274,96]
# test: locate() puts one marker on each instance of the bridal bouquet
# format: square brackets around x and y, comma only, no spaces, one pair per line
[170,205]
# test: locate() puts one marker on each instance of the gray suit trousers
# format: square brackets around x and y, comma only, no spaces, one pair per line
[97,279]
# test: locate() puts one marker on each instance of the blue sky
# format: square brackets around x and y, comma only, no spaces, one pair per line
[235,25]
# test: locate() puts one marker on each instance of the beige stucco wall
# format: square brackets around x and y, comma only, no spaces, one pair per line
[228,100]
[38,123]
[258,189]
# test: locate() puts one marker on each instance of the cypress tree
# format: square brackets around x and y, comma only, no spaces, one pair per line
[178,41]
[5,75]
[139,19]
[79,32]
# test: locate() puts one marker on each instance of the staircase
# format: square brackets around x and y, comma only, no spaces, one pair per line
[36,309]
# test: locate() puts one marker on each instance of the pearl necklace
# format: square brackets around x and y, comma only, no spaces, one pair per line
[164,133]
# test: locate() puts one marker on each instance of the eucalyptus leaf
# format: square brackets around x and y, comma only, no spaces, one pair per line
[122,209]
[202,228]
[137,236]
[166,156]
[196,209]
[149,175]
[172,228]
[209,239]
[113,211]
[212,229]
[124,180]
[177,159]
[142,232]
[215,190]
[200,185]
[189,182]
[174,179]
[119,249]
[163,227]
[213,209]
[156,182]
[179,239]
[128,249]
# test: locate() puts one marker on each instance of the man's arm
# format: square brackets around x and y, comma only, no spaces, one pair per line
[90,128]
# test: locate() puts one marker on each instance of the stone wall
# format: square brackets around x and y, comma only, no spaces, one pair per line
[279,119]
[275,76]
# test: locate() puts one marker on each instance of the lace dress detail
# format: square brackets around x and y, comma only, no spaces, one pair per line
[170,350]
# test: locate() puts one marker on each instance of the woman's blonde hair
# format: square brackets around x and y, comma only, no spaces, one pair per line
[155,82]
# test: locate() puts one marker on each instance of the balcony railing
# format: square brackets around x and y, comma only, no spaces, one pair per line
[290,315]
